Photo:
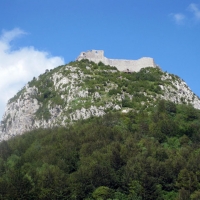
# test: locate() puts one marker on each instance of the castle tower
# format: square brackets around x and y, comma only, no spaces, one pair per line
[122,65]
[92,55]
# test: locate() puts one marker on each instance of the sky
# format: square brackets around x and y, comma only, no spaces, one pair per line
[42,34]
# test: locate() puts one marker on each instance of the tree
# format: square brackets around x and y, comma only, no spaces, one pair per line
[5,150]
[135,190]
[187,180]
[195,195]
[102,193]
[183,194]
[50,181]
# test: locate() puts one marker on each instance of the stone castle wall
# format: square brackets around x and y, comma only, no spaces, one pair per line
[122,65]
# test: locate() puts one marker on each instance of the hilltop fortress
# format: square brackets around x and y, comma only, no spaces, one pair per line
[122,65]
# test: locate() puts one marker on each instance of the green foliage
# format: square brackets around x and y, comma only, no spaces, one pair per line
[4,150]
[102,192]
[135,190]
[137,155]
[43,113]
[152,152]
[195,195]
[138,88]
[20,93]
[114,92]
[126,102]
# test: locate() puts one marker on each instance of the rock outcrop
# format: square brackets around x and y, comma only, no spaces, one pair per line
[83,89]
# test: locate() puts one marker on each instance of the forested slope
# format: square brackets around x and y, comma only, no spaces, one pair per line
[138,155]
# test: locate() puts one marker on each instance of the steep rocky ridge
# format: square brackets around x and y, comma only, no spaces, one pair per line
[82,89]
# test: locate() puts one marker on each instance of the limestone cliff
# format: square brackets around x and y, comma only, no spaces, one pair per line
[82,89]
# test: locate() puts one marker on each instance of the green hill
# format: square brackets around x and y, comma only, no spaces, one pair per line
[88,131]
[137,155]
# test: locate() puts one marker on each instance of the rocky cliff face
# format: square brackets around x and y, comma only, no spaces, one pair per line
[83,89]
[179,92]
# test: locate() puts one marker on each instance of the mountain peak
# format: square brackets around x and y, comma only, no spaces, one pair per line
[83,88]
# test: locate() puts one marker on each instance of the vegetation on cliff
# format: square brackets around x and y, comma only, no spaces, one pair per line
[82,89]
[105,81]
[139,155]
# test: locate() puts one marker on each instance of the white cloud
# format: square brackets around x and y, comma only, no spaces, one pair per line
[195,10]
[8,36]
[185,18]
[178,18]
[17,67]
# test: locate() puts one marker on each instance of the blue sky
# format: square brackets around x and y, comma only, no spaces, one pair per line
[40,34]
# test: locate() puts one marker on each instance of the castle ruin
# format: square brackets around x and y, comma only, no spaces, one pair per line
[122,65]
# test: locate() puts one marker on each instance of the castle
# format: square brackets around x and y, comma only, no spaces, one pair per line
[122,65]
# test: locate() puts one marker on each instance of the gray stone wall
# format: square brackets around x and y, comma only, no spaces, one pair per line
[122,65]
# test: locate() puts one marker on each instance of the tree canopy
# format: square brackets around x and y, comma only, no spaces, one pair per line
[137,155]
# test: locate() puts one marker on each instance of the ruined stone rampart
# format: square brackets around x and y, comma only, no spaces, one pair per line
[122,65]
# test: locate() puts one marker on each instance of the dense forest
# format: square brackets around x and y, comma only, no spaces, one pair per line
[126,156]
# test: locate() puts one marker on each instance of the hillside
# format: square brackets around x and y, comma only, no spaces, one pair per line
[120,156]
[86,130]
[82,89]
